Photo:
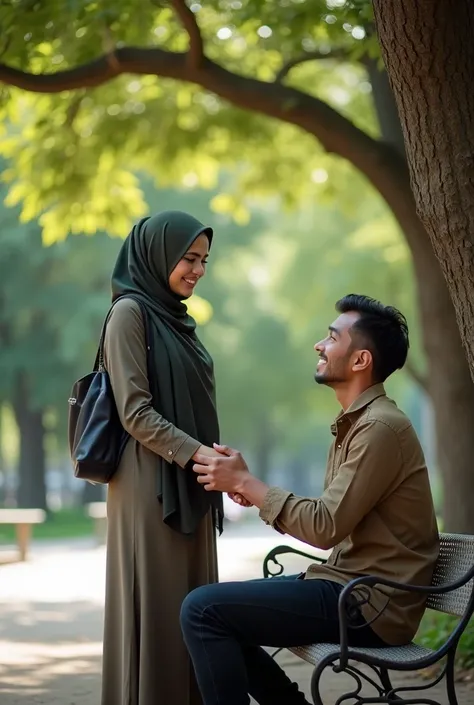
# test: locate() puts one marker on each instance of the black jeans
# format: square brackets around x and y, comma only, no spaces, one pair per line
[225,626]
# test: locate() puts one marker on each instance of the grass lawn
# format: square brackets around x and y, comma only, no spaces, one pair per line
[66,523]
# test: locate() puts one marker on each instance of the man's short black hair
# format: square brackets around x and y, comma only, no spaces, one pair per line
[382,329]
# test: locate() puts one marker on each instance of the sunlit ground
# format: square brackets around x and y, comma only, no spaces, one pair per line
[51,613]
[51,617]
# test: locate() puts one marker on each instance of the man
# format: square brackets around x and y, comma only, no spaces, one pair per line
[376,513]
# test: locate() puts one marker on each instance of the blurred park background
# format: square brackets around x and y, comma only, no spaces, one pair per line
[275,140]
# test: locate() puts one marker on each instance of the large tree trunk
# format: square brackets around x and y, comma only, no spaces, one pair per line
[32,461]
[452,394]
[429,54]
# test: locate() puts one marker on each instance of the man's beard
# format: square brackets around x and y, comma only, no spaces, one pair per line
[319,378]
[332,375]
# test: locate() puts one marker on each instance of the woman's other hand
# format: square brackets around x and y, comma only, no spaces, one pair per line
[238,499]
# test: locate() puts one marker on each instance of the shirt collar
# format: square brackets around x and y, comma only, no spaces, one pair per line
[363,400]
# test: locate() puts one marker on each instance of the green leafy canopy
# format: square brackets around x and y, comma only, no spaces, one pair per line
[75,156]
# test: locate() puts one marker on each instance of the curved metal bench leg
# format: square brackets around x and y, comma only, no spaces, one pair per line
[387,684]
[316,679]
[450,687]
[354,695]
[388,694]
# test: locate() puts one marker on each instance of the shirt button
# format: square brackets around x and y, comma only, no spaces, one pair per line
[170,452]
[339,445]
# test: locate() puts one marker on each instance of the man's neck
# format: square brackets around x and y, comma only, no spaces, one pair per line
[346,394]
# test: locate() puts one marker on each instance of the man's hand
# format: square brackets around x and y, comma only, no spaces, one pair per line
[229,473]
[212,453]
[224,473]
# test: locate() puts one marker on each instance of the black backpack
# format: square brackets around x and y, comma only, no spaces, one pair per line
[96,435]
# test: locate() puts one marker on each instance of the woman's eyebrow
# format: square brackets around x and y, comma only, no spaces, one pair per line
[196,254]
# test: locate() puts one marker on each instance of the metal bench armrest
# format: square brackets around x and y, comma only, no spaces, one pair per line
[371,580]
[280,550]
[344,606]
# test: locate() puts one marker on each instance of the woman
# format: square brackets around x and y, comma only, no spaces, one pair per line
[161,523]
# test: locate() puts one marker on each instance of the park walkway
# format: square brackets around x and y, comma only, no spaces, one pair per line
[51,620]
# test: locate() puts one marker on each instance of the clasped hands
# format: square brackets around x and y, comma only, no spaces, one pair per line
[222,469]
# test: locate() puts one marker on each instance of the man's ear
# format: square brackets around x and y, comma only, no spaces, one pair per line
[362,360]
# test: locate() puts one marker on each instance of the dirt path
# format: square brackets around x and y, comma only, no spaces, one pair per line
[51,622]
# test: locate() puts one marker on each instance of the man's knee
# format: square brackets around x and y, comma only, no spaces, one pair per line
[195,604]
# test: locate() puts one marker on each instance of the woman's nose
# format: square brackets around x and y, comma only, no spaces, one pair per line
[198,269]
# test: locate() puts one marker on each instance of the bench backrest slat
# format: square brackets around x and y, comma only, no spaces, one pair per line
[456,558]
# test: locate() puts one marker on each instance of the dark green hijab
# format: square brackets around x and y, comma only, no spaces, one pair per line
[180,369]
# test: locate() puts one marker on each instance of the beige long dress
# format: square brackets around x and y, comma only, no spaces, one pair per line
[150,567]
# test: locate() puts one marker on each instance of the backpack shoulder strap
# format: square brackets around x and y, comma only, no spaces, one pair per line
[99,359]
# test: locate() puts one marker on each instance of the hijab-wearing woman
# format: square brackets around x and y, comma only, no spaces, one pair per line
[161,539]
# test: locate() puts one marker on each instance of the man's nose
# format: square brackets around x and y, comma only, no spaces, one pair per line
[319,347]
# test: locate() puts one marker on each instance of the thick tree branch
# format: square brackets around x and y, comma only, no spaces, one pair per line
[379,162]
[336,133]
[417,376]
[188,20]
[336,54]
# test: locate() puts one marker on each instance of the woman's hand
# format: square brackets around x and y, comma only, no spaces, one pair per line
[207,451]
[238,499]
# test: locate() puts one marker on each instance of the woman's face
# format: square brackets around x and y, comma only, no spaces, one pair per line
[190,268]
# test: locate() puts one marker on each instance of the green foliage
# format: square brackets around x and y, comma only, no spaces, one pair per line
[51,300]
[436,628]
[52,303]
[75,155]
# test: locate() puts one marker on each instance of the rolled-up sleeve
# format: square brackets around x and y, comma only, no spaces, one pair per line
[126,363]
[272,505]
[370,470]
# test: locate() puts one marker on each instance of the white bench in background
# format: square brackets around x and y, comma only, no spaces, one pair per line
[22,520]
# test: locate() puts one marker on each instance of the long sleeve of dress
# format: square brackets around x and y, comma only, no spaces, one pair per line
[126,363]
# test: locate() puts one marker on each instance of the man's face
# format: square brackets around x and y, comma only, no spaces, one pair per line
[336,352]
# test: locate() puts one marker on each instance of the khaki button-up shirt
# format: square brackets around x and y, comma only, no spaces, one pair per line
[376,513]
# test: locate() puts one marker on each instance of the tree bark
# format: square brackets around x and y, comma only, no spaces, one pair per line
[32,461]
[452,395]
[429,54]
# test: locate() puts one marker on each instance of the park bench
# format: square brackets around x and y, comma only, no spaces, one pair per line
[98,512]
[451,592]
[23,520]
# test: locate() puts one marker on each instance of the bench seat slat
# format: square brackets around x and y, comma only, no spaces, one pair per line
[410,653]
